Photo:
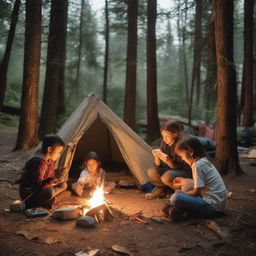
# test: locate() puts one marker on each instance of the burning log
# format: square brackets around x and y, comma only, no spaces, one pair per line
[98,208]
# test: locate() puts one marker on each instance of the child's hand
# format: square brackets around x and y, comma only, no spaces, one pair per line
[61,179]
[90,185]
[164,157]
[156,153]
[80,183]
[54,182]
[180,182]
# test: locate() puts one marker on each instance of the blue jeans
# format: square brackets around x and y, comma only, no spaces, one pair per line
[193,205]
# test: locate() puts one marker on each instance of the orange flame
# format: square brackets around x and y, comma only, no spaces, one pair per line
[97,198]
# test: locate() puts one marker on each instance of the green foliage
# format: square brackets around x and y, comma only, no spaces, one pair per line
[115,102]
[8,120]
[5,14]
[170,63]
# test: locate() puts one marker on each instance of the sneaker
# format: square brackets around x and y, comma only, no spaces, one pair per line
[156,192]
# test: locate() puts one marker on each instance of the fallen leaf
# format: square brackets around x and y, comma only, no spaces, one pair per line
[49,240]
[26,234]
[122,249]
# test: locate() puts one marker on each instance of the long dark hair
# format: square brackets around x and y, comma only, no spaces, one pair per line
[191,144]
[173,127]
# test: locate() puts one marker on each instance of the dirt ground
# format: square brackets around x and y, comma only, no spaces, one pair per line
[190,237]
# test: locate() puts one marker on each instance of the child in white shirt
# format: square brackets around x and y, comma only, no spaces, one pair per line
[91,177]
[208,197]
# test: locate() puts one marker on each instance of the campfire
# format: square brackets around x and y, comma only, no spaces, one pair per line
[97,198]
[99,208]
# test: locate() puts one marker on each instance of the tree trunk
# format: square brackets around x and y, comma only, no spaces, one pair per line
[131,66]
[152,108]
[27,134]
[247,101]
[77,83]
[210,92]
[226,159]
[48,120]
[182,51]
[197,59]
[105,78]
[5,61]
[63,10]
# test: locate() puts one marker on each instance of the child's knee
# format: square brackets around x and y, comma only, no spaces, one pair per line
[167,178]
[176,197]
[152,172]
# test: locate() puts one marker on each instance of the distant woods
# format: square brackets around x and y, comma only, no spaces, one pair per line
[143,58]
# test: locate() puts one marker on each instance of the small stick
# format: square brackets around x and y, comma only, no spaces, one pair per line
[139,219]
[95,216]
[239,211]
[109,209]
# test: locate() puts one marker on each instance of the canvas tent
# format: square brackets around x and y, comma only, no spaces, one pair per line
[94,126]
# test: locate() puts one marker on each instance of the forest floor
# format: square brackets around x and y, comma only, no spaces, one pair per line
[46,236]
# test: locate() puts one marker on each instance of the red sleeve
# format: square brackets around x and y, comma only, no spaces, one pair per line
[51,170]
[41,174]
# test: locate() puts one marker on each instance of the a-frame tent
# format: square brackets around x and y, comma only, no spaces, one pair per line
[93,126]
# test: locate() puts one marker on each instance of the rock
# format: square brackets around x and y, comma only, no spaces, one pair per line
[86,221]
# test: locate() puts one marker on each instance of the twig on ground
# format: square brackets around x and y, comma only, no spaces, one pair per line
[5,180]
[248,199]
[234,210]
[137,216]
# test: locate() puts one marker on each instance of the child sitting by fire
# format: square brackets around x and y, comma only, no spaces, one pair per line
[38,185]
[91,178]
[208,197]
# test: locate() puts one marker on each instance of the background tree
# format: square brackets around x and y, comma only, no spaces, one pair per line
[247,85]
[210,93]
[226,158]
[48,120]
[82,29]
[131,65]
[5,61]
[79,53]
[152,108]
[63,11]
[195,80]
[183,50]
[106,59]
[27,134]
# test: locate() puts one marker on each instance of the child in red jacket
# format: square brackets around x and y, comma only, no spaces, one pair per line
[38,185]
